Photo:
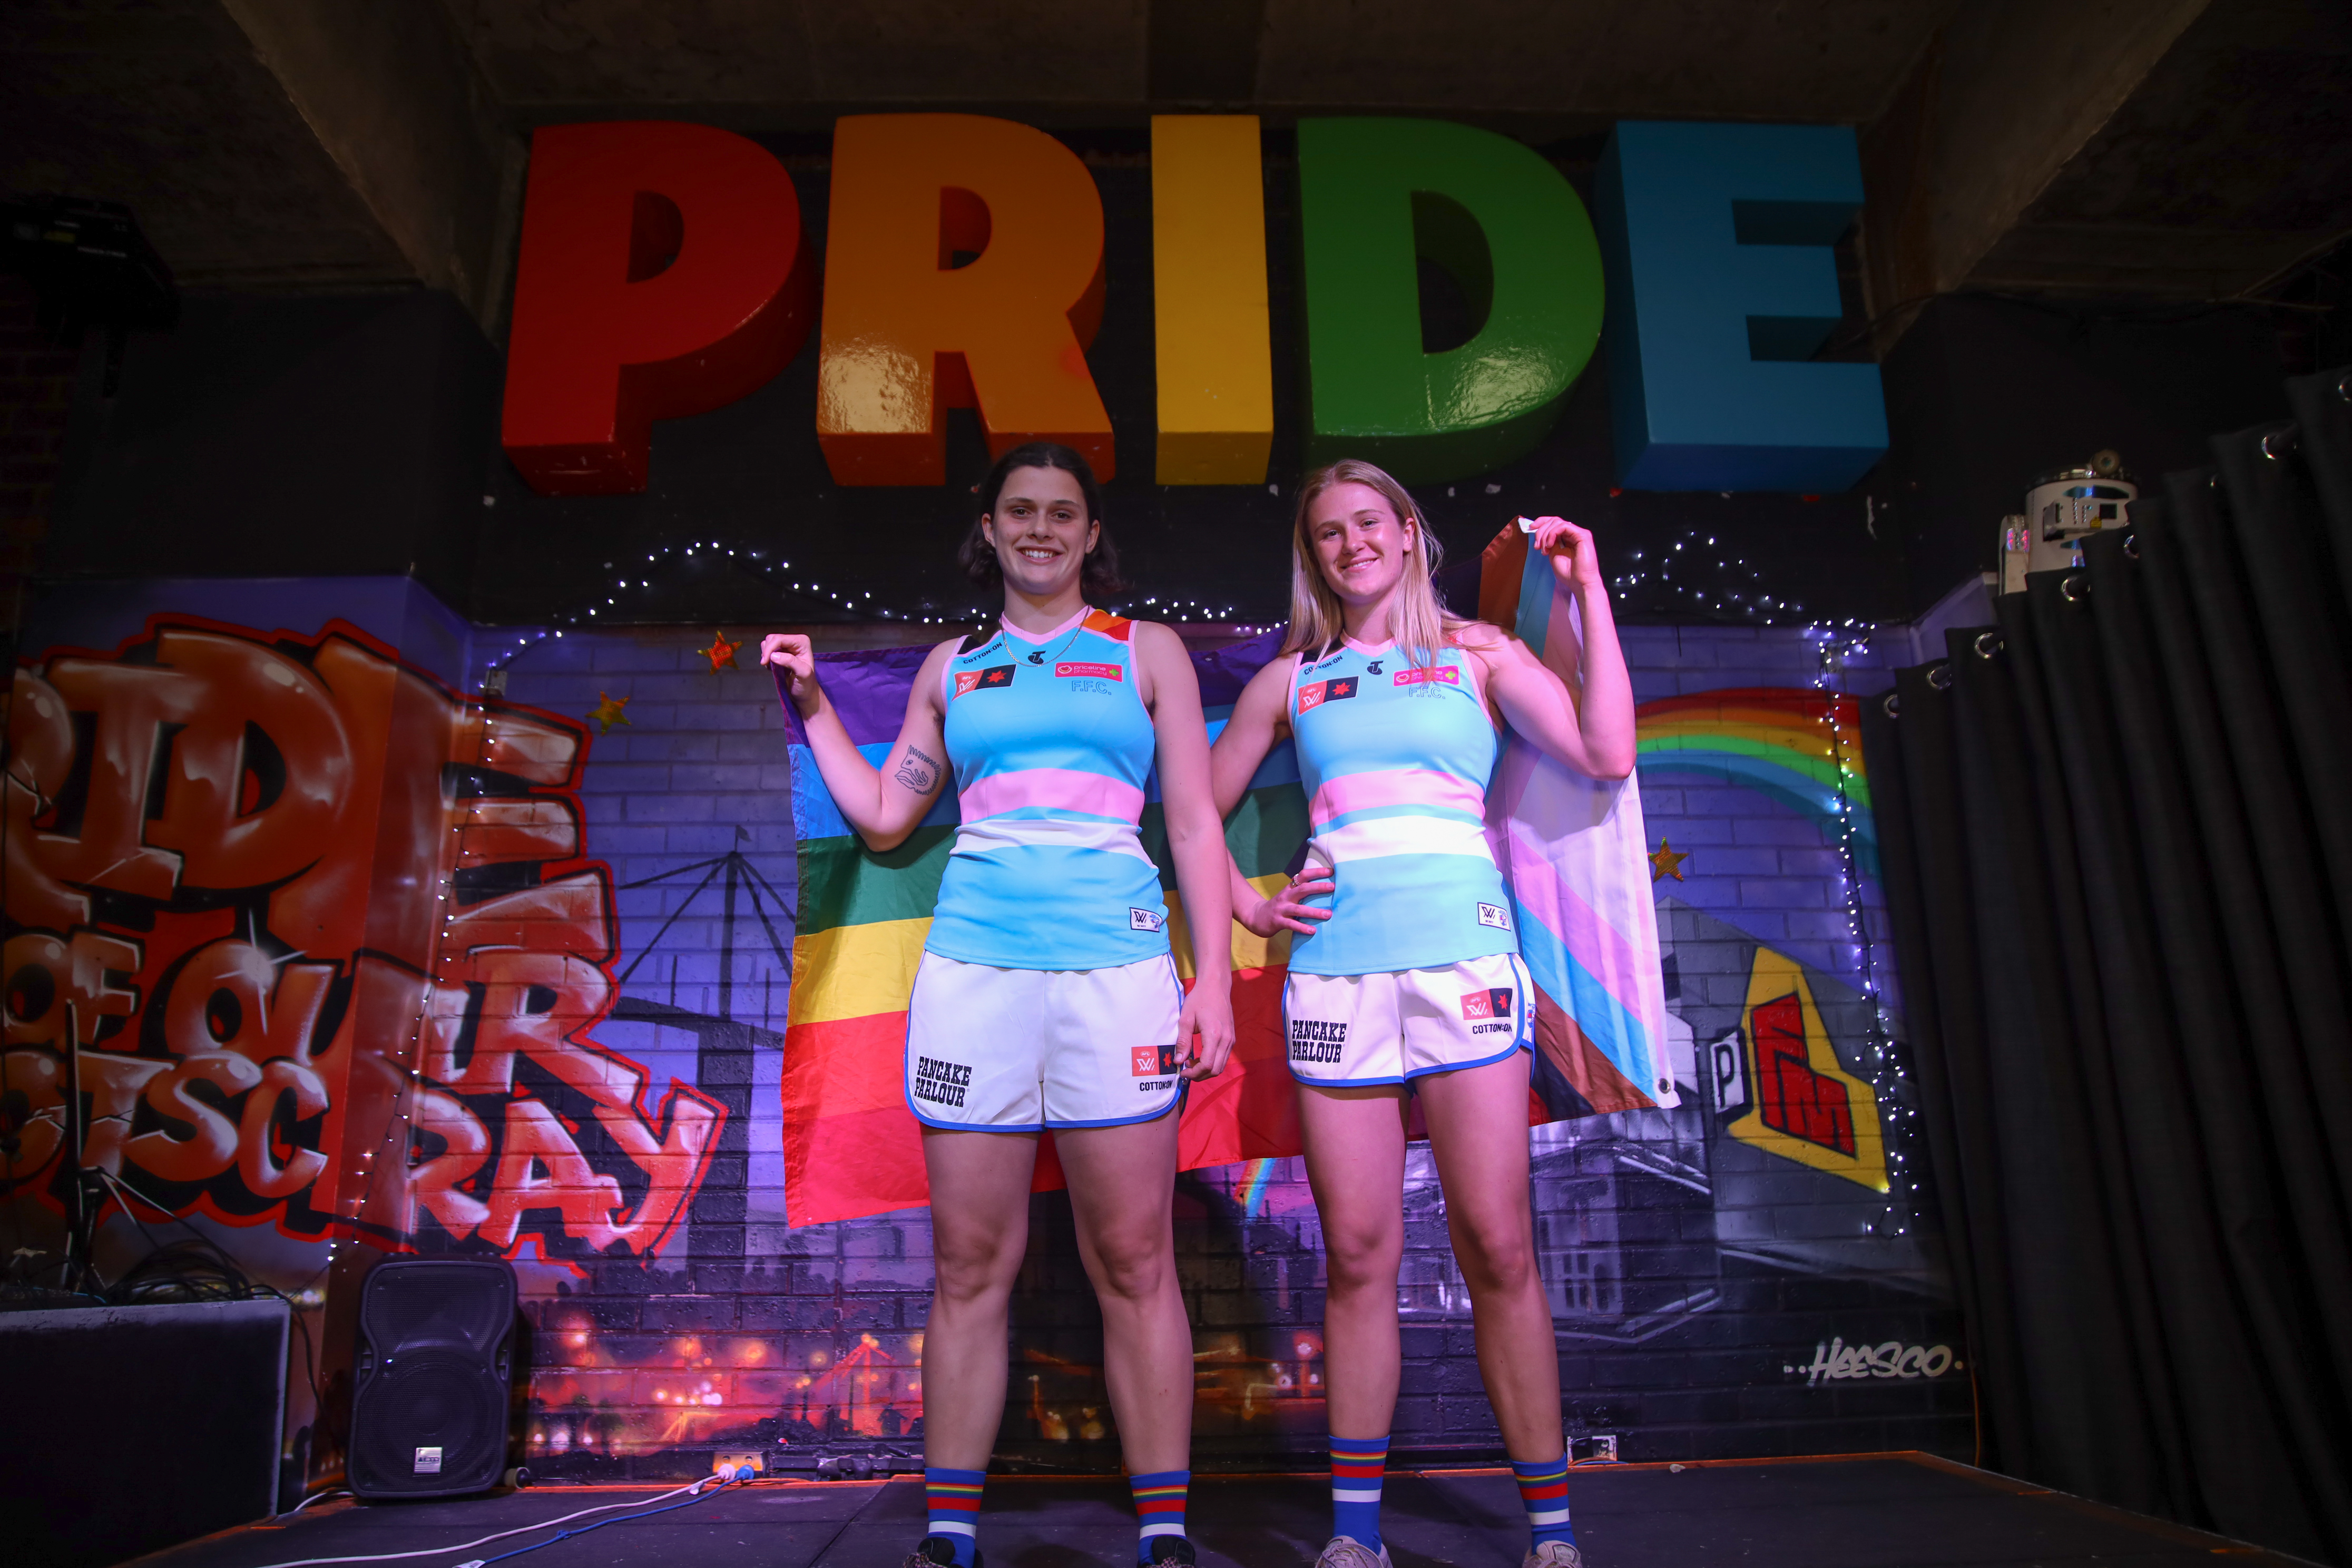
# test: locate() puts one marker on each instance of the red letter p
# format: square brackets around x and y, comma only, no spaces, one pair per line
[662,274]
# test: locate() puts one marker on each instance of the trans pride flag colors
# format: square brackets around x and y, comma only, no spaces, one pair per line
[1572,849]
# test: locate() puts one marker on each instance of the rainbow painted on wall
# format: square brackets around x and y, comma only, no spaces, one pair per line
[1800,748]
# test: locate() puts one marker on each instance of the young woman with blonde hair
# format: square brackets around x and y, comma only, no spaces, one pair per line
[1405,977]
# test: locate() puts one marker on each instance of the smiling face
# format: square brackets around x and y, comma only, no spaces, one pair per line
[1040,531]
[1361,544]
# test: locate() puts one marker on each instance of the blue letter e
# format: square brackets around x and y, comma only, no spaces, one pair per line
[1720,284]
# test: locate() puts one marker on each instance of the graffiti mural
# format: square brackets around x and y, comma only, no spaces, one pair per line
[345,947]
[274,902]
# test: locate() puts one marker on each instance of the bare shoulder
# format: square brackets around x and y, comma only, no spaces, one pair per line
[1482,636]
[1156,638]
[1489,644]
[1273,675]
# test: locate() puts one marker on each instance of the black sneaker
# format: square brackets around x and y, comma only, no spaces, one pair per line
[1172,1549]
[938,1552]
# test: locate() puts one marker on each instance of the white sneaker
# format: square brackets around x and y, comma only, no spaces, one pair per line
[1346,1552]
[1552,1554]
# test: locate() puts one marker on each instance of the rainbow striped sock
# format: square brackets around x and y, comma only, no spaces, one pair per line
[1158,1507]
[1357,1465]
[1543,1487]
[953,1499]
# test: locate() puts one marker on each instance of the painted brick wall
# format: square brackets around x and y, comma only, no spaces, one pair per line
[1694,1277]
[1713,1270]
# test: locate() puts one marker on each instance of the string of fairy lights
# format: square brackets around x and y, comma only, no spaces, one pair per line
[400,1124]
[1831,653]
[627,597]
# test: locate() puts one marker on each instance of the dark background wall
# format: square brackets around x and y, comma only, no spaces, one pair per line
[1986,394]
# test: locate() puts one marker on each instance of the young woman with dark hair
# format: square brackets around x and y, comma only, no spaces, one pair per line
[1047,996]
[1405,977]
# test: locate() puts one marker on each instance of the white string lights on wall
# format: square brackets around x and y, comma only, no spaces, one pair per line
[1671,573]
[1887,1078]
[637,581]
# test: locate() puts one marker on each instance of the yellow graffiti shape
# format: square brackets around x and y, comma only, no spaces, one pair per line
[1802,1105]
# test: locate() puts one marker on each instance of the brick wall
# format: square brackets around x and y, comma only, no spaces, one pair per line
[1712,1269]
[1702,1284]
[35,387]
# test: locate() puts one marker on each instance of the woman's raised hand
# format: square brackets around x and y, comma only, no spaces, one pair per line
[793,653]
[1286,908]
[1570,548]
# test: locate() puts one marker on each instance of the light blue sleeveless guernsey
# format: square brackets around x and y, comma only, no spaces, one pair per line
[1395,761]
[1051,746]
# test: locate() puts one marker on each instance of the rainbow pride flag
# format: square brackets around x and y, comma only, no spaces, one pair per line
[851,1146]
[1573,851]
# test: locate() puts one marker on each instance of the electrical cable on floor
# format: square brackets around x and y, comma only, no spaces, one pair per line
[315,1497]
[743,1473]
[696,1486]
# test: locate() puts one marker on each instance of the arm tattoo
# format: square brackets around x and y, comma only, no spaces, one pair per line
[918,772]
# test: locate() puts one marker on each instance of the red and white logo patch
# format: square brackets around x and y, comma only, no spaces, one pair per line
[1493,1004]
[1150,1061]
[1099,672]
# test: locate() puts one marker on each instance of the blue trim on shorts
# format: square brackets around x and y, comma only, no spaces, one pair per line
[1176,1102]
[908,1094]
[1522,1040]
[1183,1084]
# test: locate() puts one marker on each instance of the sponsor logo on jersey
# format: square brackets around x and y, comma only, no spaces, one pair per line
[1324,692]
[1099,672]
[1493,1004]
[1155,1086]
[982,679]
[1317,1039]
[1443,672]
[940,1082]
[1373,668]
[1495,915]
[1145,920]
[1150,1061]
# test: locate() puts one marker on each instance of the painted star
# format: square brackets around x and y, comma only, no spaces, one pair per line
[721,653]
[1665,862]
[608,713]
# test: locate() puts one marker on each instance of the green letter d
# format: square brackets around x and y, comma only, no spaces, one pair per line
[1374,195]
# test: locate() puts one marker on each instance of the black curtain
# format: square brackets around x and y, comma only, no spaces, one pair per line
[2117,834]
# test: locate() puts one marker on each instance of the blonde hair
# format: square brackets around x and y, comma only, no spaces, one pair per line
[1418,621]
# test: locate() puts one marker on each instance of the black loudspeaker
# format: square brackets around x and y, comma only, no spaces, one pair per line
[432,1379]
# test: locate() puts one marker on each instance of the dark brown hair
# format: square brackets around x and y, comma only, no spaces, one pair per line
[1098,577]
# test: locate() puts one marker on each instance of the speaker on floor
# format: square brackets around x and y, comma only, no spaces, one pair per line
[432,1377]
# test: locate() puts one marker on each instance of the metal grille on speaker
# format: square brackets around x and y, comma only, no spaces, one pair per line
[429,1415]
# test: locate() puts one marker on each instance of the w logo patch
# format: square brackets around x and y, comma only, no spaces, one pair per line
[982,679]
[1493,1004]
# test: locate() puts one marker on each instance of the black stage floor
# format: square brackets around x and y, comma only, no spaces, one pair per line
[1894,1510]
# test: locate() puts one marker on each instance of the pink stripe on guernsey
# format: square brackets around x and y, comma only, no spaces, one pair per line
[1057,789]
[1601,947]
[1395,787]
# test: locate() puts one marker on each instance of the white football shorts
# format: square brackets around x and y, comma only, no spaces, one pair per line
[1357,1029]
[1021,1050]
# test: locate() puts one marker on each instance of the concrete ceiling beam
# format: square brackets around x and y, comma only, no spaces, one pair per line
[2007,92]
[393,97]
[2163,150]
